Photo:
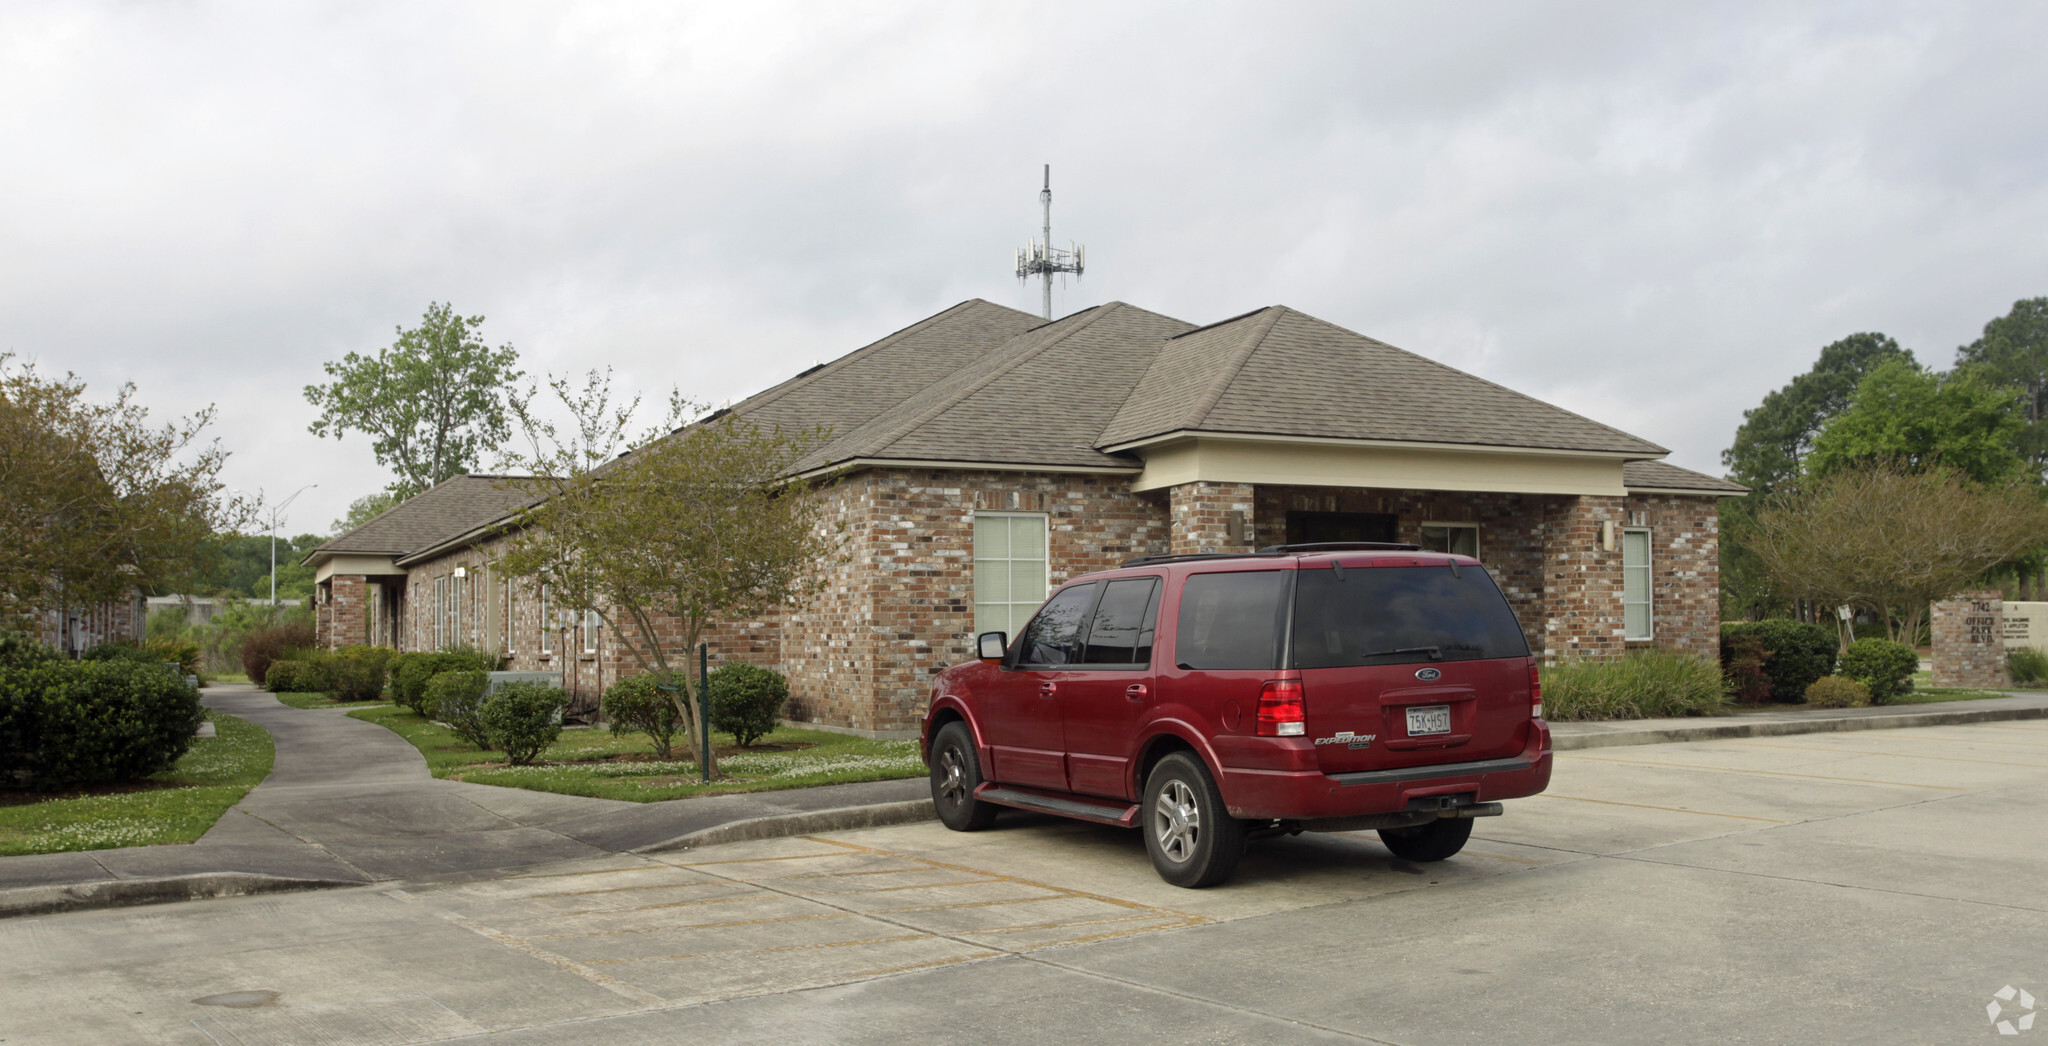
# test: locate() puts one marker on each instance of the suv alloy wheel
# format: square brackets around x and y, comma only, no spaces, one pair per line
[1193,840]
[956,773]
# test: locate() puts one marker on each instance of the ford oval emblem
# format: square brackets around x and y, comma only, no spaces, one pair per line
[1428,675]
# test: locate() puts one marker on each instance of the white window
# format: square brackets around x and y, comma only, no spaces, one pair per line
[511,633]
[440,612]
[1635,584]
[547,634]
[1456,538]
[1009,569]
[590,623]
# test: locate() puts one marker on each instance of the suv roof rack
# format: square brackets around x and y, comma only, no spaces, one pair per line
[1343,546]
[1275,550]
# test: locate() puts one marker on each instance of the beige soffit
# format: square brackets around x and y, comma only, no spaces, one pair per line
[354,563]
[1324,463]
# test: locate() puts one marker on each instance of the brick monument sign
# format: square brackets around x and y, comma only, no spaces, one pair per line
[1969,640]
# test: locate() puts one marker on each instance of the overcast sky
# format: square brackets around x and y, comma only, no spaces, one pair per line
[1650,214]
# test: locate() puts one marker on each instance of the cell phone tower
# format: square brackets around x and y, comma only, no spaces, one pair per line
[1041,259]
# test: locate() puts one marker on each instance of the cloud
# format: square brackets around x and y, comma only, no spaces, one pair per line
[1649,215]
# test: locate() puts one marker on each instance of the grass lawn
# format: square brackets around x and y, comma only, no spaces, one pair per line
[322,701]
[592,762]
[224,677]
[176,806]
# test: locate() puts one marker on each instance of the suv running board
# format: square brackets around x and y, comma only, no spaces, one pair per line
[1122,815]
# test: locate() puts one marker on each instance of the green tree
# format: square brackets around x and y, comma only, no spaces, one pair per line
[2013,353]
[366,508]
[431,403]
[692,525]
[97,501]
[1893,536]
[1919,419]
[239,565]
[1775,437]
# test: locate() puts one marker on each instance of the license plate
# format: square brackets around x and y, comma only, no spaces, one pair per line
[1429,719]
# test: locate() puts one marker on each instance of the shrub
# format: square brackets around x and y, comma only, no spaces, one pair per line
[1883,666]
[1795,653]
[1742,669]
[355,673]
[68,723]
[21,650]
[634,705]
[2028,665]
[267,643]
[118,650]
[182,651]
[410,673]
[1647,684]
[746,701]
[457,698]
[294,677]
[1837,692]
[523,719]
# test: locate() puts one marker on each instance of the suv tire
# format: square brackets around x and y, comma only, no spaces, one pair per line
[1193,840]
[1428,842]
[956,773]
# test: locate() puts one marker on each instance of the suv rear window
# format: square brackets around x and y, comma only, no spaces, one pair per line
[1401,615]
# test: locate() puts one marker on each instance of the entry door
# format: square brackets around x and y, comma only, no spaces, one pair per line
[1104,700]
[1020,711]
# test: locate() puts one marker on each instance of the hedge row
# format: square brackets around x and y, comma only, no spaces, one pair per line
[1781,660]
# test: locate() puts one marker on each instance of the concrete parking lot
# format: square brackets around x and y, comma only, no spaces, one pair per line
[1877,886]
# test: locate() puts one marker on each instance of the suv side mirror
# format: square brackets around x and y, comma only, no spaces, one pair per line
[989,646]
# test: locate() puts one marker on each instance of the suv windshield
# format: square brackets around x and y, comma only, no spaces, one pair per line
[1401,615]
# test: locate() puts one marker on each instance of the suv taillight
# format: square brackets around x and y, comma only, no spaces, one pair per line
[1280,709]
[1535,691]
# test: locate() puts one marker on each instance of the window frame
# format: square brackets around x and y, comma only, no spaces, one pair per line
[591,623]
[1441,525]
[547,636]
[976,559]
[1649,600]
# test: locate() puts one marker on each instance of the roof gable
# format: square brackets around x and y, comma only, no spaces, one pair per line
[1282,372]
[453,506]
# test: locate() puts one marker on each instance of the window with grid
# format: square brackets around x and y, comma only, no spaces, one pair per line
[590,624]
[1009,570]
[1635,584]
[547,635]
[440,612]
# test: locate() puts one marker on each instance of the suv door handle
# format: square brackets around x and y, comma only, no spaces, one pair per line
[1048,689]
[1136,691]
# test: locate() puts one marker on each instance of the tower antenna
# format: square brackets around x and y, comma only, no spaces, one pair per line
[1041,259]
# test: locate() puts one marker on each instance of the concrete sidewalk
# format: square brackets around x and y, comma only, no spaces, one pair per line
[350,802]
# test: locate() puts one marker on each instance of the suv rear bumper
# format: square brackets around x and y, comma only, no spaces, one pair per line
[1306,794]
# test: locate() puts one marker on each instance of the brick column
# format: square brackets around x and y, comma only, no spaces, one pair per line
[1969,640]
[1581,579]
[1204,515]
[346,612]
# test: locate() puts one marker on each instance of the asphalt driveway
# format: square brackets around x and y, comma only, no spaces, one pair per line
[1857,887]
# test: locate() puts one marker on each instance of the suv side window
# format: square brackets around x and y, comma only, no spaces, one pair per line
[1124,623]
[1232,621]
[1054,636]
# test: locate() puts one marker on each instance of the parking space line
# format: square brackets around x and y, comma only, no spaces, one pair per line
[1647,806]
[622,931]
[771,950]
[1502,857]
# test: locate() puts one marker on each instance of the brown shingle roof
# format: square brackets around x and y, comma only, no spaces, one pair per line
[1040,398]
[1282,372]
[453,506]
[1663,476]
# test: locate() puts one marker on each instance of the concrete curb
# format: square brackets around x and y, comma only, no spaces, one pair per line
[1711,731]
[121,893]
[845,818]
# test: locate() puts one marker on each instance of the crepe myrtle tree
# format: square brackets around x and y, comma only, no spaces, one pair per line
[98,500]
[695,522]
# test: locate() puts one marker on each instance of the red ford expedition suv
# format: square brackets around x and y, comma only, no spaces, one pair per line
[1320,688]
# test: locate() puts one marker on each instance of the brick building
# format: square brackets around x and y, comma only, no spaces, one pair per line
[982,456]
